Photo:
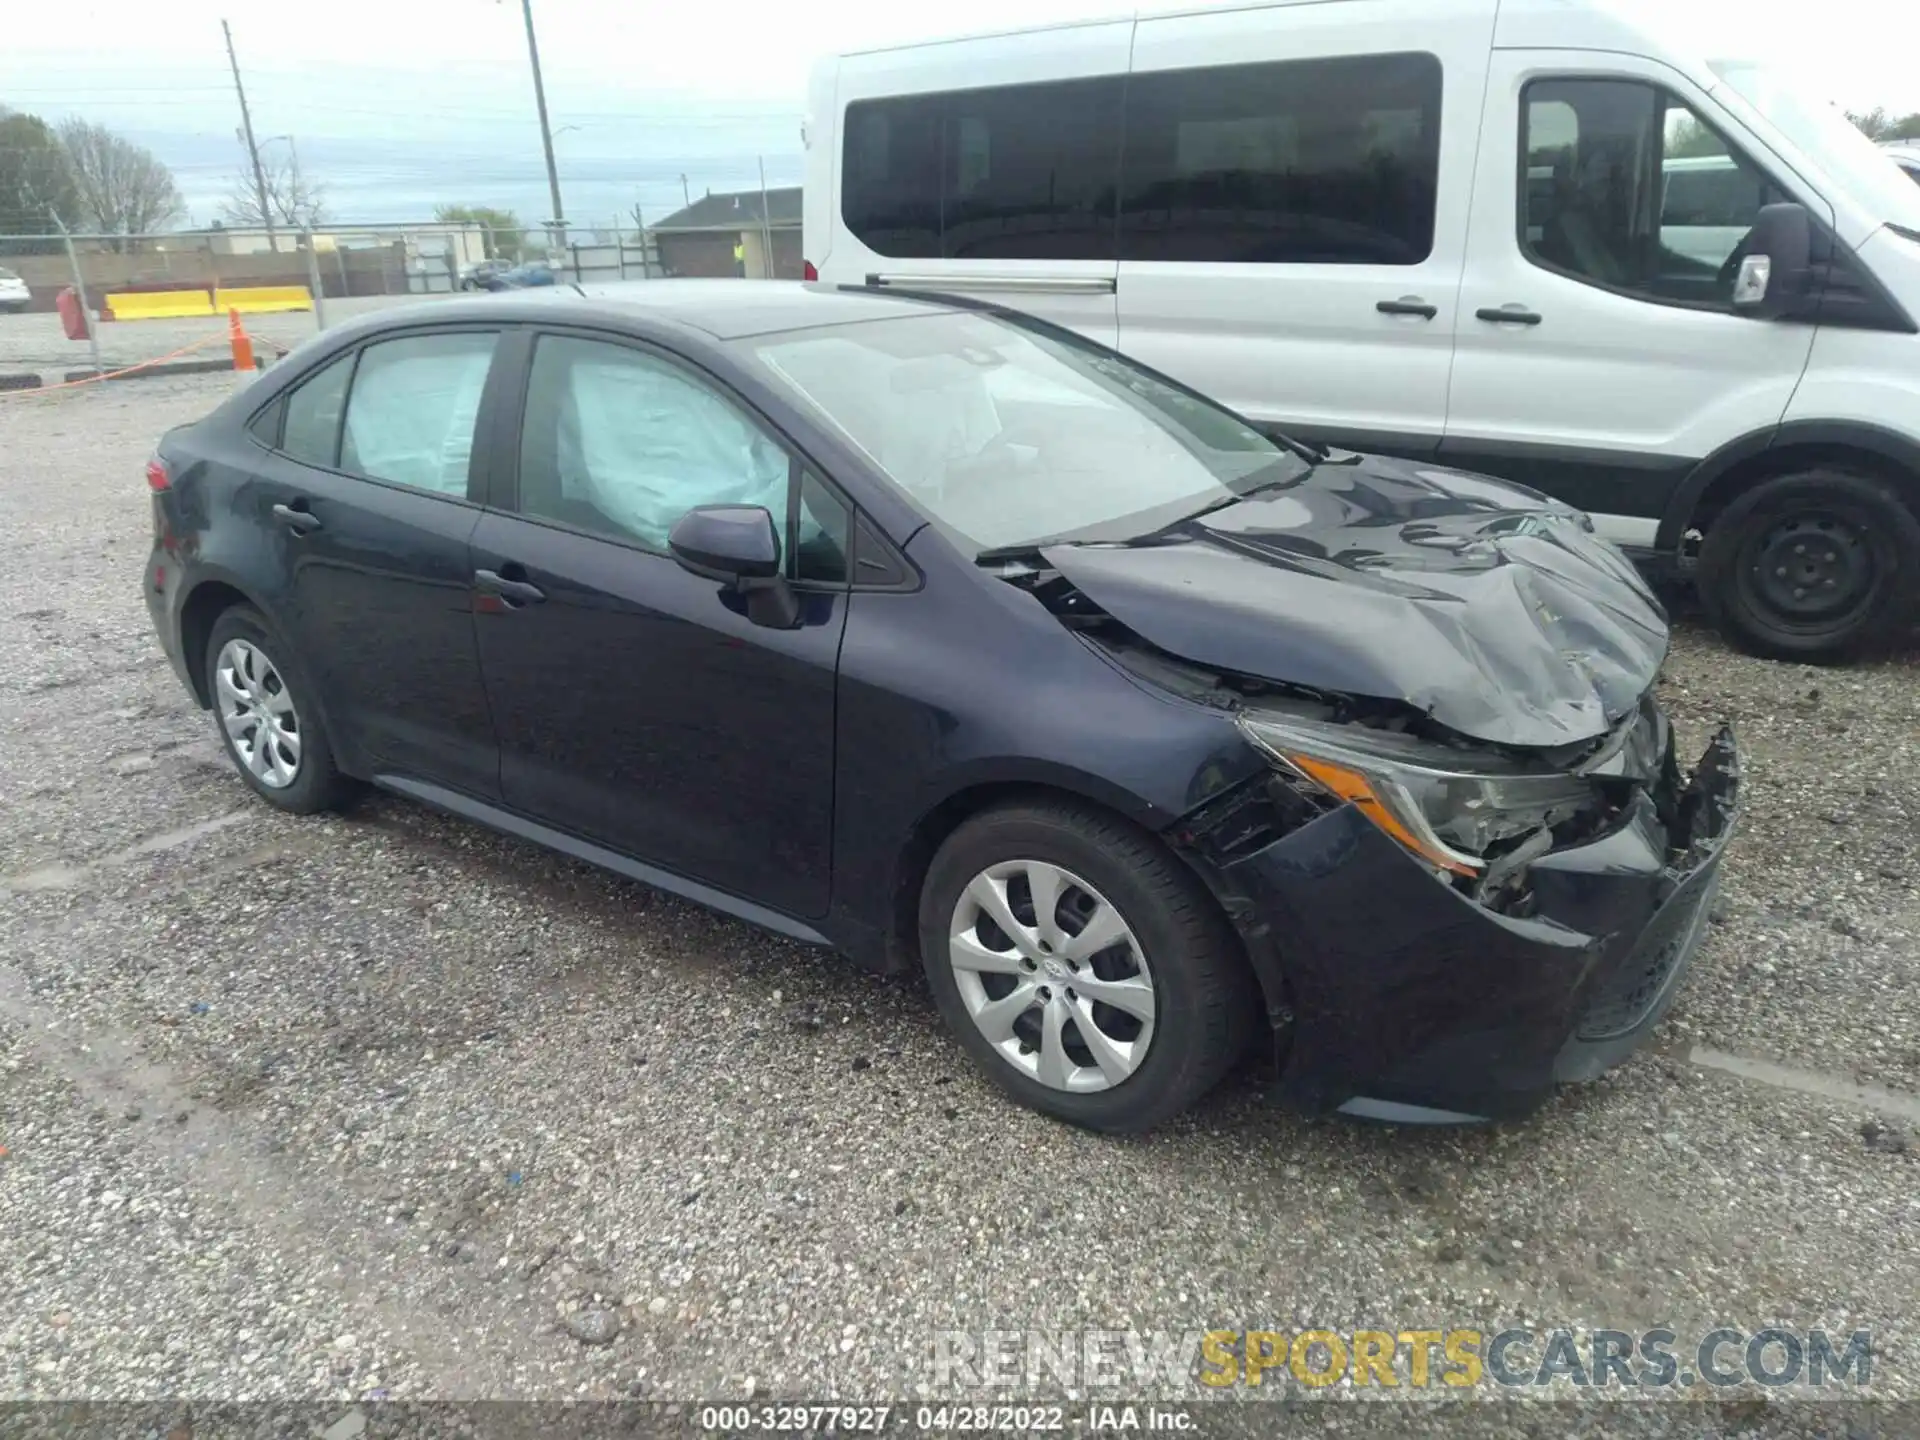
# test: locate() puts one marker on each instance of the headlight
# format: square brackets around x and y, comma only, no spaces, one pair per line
[1446,807]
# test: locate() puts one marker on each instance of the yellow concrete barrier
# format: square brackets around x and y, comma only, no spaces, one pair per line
[159,304]
[260,299]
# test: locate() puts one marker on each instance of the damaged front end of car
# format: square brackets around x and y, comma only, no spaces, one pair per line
[1445,925]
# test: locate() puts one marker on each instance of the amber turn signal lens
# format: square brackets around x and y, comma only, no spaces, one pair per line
[1357,790]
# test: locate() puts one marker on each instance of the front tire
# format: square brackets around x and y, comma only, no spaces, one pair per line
[1817,566]
[1083,968]
[268,720]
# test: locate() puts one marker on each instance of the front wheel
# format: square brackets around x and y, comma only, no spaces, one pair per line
[1086,971]
[1820,565]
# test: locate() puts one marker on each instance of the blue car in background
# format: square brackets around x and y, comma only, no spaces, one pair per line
[519,277]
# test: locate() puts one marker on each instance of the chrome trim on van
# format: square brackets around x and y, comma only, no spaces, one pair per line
[1016,284]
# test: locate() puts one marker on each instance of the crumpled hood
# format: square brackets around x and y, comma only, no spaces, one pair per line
[1484,604]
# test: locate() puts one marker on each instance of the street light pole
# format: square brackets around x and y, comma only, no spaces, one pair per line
[546,133]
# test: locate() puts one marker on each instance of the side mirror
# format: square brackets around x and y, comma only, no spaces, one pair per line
[738,546]
[1774,272]
[727,542]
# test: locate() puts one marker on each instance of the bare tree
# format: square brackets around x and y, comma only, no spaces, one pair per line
[292,199]
[120,188]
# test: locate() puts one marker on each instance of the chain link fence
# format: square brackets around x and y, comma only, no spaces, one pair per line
[331,261]
[107,301]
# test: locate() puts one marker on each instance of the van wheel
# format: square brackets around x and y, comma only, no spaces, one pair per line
[1821,565]
[1087,972]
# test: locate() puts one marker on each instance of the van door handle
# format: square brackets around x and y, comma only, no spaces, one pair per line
[514,592]
[1509,315]
[1408,305]
[297,518]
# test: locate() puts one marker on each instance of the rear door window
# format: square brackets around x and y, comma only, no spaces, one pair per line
[410,417]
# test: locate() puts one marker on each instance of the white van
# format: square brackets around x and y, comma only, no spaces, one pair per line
[1443,229]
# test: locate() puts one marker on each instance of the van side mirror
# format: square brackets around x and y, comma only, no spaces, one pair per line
[1776,268]
[738,546]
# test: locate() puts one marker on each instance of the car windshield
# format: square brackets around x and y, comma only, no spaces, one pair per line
[1010,437]
[1822,133]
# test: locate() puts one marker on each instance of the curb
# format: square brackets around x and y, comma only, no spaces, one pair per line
[172,367]
[31,380]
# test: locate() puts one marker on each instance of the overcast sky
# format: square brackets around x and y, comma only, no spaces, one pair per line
[632,77]
[349,66]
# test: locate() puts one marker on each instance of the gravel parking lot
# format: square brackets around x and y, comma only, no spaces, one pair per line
[383,1104]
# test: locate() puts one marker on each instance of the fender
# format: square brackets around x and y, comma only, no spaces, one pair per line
[1891,445]
[204,575]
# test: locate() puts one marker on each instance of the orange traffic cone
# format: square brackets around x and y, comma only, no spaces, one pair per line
[242,346]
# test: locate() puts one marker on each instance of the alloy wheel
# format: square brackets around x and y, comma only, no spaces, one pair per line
[256,710]
[1051,973]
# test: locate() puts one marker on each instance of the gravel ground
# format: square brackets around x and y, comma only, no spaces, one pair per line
[385,1105]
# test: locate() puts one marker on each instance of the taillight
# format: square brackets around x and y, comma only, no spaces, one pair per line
[809,270]
[157,476]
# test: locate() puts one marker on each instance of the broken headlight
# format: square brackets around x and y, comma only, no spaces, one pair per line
[1449,807]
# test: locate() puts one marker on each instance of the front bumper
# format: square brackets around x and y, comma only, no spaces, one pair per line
[1408,1001]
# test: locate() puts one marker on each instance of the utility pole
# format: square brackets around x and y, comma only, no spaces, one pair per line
[253,151]
[686,195]
[546,133]
[766,222]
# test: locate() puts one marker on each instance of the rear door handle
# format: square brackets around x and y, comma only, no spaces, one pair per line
[297,518]
[1408,305]
[1509,315]
[514,592]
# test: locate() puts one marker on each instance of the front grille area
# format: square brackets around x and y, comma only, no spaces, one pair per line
[1633,989]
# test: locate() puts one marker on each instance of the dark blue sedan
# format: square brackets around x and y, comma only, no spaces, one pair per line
[953,641]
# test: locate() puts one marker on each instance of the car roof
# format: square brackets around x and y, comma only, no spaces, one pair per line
[722,309]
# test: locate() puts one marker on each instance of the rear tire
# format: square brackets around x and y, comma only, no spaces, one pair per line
[1171,998]
[267,716]
[1818,566]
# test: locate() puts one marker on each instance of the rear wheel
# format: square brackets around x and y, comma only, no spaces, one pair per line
[1083,968]
[272,731]
[1816,566]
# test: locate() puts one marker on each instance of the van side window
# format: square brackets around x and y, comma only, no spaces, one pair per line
[1624,186]
[1018,172]
[1311,162]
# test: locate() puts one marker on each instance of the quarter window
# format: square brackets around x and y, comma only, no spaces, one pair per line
[411,414]
[1319,162]
[621,443]
[1626,187]
[311,434]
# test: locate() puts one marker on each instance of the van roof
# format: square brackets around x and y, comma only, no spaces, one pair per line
[1115,17]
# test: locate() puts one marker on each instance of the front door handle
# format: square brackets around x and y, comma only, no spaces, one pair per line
[299,520]
[1408,305]
[1508,315]
[514,592]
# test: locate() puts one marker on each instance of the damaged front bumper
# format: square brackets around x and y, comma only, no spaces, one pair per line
[1399,998]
